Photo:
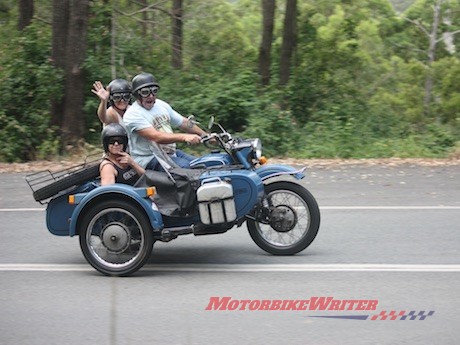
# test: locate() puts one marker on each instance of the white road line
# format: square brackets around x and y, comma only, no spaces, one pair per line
[244,268]
[351,208]
[390,208]
[21,209]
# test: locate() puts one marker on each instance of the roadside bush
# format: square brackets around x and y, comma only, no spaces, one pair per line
[333,138]
[355,139]
[30,82]
[277,130]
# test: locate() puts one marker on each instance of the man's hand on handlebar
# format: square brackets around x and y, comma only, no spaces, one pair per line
[192,139]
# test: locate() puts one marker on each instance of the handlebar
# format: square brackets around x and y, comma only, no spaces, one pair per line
[221,138]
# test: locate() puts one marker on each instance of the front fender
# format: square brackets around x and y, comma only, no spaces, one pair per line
[137,195]
[273,170]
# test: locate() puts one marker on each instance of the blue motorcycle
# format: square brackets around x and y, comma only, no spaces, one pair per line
[118,224]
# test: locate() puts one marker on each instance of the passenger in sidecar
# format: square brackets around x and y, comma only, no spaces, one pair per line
[117,165]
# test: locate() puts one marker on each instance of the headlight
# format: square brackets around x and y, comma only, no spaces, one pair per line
[257,146]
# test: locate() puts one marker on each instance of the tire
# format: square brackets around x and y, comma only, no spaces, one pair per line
[78,177]
[115,237]
[293,221]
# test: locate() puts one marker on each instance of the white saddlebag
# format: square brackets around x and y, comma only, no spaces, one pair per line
[215,201]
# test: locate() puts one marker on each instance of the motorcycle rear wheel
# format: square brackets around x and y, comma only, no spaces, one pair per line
[294,223]
[116,237]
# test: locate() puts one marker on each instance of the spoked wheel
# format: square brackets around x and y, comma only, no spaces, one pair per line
[116,238]
[291,222]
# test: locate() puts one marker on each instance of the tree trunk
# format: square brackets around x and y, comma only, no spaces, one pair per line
[433,39]
[147,25]
[73,124]
[268,12]
[61,10]
[289,40]
[26,12]
[145,18]
[113,43]
[177,33]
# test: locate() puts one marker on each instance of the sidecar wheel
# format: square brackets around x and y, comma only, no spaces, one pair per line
[116,237]
[293,222]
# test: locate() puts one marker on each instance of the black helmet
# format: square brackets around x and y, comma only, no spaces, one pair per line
[114,130]
[143,80]
[119,86]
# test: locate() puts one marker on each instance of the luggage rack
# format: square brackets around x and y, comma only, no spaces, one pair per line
[46,184]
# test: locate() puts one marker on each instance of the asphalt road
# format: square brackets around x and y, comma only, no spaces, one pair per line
[389,234]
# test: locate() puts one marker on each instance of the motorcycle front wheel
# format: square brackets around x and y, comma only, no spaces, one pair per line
[293,220]
[116,237]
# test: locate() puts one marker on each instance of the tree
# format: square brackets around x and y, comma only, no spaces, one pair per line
[113,45]
[26,12]
[177,34]
[221,45]
[432,28]
[268,13]
[70,18]
[355,75]
[58,53]
[289,40]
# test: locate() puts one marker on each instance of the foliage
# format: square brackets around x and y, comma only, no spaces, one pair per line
[30,82]
[352,89]
[356,140]
[277,130]
[356,88]
[230,38]
[232,101]
[401,5]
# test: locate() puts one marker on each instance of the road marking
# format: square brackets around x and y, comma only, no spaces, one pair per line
[21,209]
[351,208]
[390,208]
[244,268]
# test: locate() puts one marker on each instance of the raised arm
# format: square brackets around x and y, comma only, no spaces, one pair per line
[104,115]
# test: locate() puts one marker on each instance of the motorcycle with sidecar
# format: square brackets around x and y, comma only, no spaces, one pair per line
[118,224]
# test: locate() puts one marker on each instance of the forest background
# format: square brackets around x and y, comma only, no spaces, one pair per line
[311,78]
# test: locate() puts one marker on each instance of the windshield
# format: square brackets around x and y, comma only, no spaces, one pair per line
[165,160]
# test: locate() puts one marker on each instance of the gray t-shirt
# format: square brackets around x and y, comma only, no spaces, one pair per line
[162,117]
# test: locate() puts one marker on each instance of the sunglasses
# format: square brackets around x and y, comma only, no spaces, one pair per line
[146,91]
[118,140]
[118,97]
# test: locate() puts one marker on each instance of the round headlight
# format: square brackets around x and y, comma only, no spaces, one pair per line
[257,146]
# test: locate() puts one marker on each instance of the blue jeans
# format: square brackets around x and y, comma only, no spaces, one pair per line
[181,158]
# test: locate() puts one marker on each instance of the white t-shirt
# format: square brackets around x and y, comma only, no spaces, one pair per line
[162,117]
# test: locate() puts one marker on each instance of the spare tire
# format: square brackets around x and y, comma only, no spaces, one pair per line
[78,177]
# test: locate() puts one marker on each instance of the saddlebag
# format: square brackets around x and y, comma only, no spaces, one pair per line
[215,201]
